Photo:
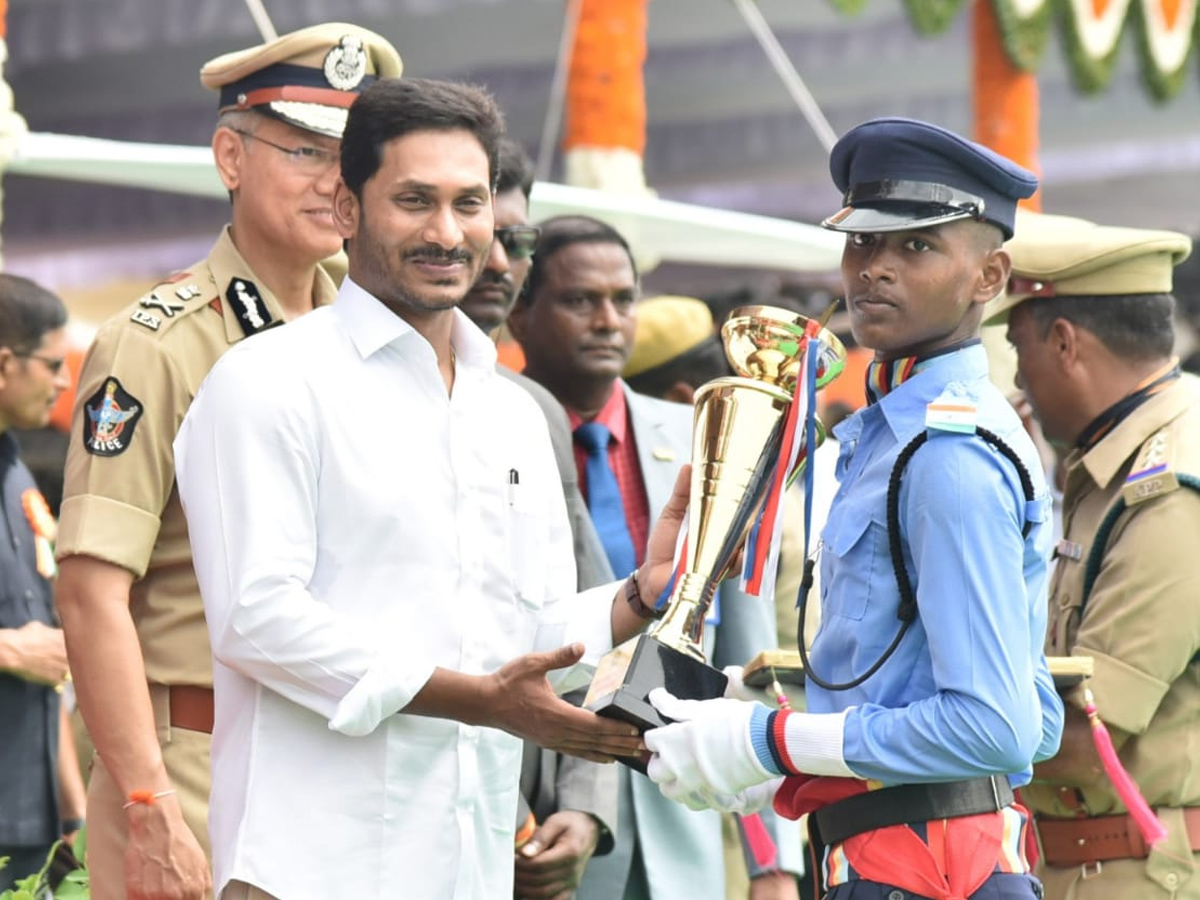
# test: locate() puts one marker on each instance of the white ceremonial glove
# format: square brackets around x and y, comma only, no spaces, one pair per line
[705,757]
[737,689]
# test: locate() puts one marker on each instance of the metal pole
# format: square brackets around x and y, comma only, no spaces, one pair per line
[558,91]
[787,73]
[262,20]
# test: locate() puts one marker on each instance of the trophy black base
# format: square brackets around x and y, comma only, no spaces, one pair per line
[627,674]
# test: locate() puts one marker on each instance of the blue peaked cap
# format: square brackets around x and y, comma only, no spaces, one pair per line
[896,174]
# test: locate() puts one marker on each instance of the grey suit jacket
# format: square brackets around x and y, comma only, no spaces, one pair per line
[682,849]
[551,781]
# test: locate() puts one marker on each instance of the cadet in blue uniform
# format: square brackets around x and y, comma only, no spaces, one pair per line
[928,695]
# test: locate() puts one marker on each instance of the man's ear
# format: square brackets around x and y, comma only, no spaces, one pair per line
[6,357]
[1064,339]
[346,211]
[229,154]
[993,275]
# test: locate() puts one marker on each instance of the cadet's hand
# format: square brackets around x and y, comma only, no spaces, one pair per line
[163,860]
[521,701]
[35,652]
[551,864]
[705,758]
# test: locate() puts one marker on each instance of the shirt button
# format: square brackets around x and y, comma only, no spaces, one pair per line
[895,895]
[29,595]
[1171,880]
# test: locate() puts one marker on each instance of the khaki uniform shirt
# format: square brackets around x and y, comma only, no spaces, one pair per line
[1141,626]
[120,503]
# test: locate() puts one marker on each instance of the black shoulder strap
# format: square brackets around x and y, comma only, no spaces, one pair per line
[1095,558]
[907,611]
[908,599]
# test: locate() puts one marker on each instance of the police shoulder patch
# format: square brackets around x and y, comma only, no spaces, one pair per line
[1151,475]
[110,416]
[248,305]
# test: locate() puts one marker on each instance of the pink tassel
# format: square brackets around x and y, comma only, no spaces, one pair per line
[1148,823]
[762,846]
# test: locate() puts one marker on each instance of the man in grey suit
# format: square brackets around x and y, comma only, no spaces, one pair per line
[568,806]
[575,322]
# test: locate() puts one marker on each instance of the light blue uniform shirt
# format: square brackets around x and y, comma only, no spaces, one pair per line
[967,692]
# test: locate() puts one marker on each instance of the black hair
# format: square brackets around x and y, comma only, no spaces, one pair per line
[694,367]
[515,169]
[27,312]
[563,231]
[394,107]
[1137,327]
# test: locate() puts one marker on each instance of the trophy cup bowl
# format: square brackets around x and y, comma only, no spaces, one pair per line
[737,436]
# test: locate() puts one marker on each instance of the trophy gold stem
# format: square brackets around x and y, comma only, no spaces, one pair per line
[683,625]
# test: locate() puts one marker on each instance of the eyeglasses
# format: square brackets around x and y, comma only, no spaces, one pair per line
[53,364]
[518,241]
[306,158]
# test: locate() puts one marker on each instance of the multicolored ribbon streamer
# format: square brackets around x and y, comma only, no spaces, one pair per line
[766,535]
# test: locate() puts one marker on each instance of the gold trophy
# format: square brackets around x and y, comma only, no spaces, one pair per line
[737,437]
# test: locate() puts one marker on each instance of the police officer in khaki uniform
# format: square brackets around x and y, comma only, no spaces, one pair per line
[128,597]
[1090,314]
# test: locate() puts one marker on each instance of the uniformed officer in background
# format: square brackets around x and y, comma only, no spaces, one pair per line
[1091,316]
[130,605]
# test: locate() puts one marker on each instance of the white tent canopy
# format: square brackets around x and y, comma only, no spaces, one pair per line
[657,229]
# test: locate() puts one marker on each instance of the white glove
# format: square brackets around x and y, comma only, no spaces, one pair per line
[736,688]
[705,758]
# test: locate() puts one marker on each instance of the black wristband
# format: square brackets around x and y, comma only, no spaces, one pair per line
[70,826]
[633,596]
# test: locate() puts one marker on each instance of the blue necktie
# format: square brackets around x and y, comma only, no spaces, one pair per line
[604,499]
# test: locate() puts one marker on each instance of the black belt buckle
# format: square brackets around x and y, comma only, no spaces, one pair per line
[909,803]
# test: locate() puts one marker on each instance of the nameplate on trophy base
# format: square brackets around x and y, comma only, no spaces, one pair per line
[625,677]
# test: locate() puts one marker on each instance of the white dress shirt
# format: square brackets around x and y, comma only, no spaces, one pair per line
[354,527]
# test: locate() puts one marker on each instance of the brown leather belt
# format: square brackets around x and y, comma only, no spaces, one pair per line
[191,707]
[1077,842]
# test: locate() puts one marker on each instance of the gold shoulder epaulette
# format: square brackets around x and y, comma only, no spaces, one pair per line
[1151,475]
[167,302]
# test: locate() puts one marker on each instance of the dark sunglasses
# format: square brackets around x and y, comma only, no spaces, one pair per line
[518,241]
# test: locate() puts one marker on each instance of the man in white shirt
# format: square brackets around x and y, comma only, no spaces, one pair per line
[383,551]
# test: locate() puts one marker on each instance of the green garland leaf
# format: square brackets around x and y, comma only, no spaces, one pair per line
[1025,39]
[1161,85]
[849,7]
[1089,74]
[933,16]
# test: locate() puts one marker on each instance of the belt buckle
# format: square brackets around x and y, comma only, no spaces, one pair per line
[1085,872]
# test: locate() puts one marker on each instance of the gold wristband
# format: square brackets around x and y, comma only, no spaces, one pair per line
[633,596]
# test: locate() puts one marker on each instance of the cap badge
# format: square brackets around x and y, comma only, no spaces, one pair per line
[346,64]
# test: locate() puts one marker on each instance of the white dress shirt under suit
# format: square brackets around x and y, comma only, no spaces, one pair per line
[354,527]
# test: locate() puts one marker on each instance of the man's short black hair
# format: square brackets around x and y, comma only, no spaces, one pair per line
[563,231]
[27,312]
[515,169]
[394,107]
[1136,327]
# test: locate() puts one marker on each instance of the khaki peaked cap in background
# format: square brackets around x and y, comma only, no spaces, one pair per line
[1061,256]
[667,327]
[307,78]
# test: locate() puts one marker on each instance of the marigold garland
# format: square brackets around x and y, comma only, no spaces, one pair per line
[606,96]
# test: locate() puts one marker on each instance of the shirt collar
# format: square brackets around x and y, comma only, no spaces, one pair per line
[372,326]
[612,414]
[1109,456]
[226,264]
[927,385]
